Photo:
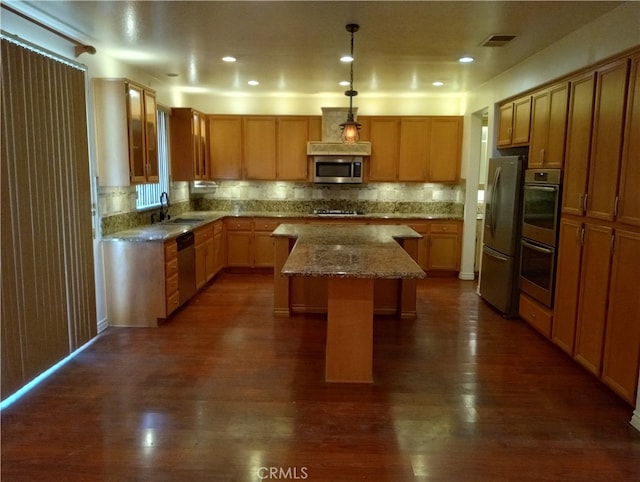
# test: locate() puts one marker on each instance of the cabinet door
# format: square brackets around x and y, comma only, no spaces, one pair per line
[218,250]
[592,308]
[557,129]
[606,140]
[210,259]
[563,330]
[136,119]
[199,146]
[201,268]
[622,340]
[293,134]
[576,159]
[263,250]
[259,147]
[445,141]
[505,124]
[444,247]
[539,128]
[384,134]
[413,150]
[521,121]
[239,248]
[225,147]
[151,136]
[628,192]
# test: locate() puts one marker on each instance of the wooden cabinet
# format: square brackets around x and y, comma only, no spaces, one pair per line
[126,132]
[548,127]
[263,250]
[567,284]
[292,162]
[445,149]
[423,229]
[538,316]
[414,149]
[606,140]
[225,146]
[189,145]
[218,247]
[205,254]
[259,147]
[513,123]
[594,142]
[444,242]
[628,206]
[171,276]
[622,337]
[239,246]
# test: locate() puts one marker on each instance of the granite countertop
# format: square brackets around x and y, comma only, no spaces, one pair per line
[349,251]
[168,230]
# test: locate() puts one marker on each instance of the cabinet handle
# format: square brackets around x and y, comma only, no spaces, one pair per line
[615,207]
[580,235]
[542,156]
[613,242]
[584,203]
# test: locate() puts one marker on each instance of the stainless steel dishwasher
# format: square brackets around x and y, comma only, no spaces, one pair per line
[186,266]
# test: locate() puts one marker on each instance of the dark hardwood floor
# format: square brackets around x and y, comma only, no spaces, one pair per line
[227,392]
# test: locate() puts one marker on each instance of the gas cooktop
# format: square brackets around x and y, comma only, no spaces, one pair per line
[336,212]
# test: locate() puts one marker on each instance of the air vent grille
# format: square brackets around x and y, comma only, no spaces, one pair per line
[497,40]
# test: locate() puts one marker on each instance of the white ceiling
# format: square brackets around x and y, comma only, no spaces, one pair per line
[294,47]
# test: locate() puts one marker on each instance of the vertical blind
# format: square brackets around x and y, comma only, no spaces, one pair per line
[48,284]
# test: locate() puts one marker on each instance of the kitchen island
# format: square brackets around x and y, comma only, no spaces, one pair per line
[350,260]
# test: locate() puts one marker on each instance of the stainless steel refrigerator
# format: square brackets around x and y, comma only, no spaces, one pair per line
[501,242]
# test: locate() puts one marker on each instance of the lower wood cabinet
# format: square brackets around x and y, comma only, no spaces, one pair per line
[538,316]
[208,245]
[597,307]
[249,242]
[443,246]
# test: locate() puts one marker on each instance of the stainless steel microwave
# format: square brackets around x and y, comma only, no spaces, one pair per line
[337,169]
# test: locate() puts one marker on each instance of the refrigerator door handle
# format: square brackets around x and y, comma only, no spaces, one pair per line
[492,254]
[494,199]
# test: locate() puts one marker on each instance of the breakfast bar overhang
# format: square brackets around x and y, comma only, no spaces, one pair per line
[350,272]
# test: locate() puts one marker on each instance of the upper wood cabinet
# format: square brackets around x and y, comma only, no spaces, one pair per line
[292,163]
[126,132]
[513,123]
[259,147]
[594,142]
[628,211]
[225,146]
[421,149]
[548,127]
[189,145]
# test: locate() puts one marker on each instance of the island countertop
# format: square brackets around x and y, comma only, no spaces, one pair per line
[362,251]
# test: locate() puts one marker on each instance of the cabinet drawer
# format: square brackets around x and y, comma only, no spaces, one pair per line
[418,227]
[217,227]
[265,225]
[444,227]
[171,268]
[202,234]
[538,316]
[171,284]
[173,301]
[170,250]
[239,225]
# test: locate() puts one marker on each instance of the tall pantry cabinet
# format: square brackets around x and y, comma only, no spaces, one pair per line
[597,316]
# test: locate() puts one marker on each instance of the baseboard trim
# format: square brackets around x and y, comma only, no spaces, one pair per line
[103,324]
[635,420]
[466,276]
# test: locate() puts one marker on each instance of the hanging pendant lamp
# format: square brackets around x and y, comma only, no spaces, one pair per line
[350,128]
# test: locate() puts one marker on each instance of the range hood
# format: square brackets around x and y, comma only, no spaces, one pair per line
[331,143]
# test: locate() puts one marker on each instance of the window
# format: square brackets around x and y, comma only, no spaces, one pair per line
[149,194]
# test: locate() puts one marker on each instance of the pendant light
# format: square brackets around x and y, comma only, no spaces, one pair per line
[350,128]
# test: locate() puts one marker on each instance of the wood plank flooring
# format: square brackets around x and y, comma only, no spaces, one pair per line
[227,392]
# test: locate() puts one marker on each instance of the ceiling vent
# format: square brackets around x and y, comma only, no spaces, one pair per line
[497,40]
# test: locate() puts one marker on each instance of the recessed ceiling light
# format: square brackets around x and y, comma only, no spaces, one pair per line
[346,58]
[437,83]
[228,58]
[344,83]
[253,82]
[466,60]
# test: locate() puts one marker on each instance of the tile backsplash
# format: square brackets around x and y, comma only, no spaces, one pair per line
[118,211]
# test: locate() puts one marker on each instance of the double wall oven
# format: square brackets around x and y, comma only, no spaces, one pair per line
[540,215]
